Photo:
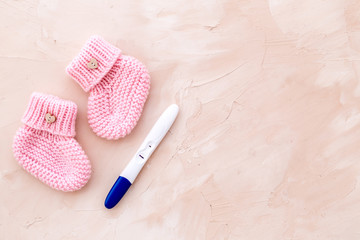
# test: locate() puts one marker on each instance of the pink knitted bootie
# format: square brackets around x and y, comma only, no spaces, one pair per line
[45,145]
[118,86]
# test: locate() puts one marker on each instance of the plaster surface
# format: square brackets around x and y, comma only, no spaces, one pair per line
[266,144]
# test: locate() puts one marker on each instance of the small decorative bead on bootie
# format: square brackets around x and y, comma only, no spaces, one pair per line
[45,145]
[118,85]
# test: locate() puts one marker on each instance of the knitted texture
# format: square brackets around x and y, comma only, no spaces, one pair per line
[117,99]
[46,148]
[103,52]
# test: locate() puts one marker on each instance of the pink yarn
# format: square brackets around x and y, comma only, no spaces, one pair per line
[118,87]
[48,150]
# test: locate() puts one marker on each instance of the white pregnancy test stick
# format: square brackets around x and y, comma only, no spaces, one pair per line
[152,140]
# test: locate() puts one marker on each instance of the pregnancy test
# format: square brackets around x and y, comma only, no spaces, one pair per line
[152,140]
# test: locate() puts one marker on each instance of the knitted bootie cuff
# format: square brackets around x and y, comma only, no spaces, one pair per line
[51,114]
[93,62]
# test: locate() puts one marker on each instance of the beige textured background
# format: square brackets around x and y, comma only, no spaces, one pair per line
[266,145]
